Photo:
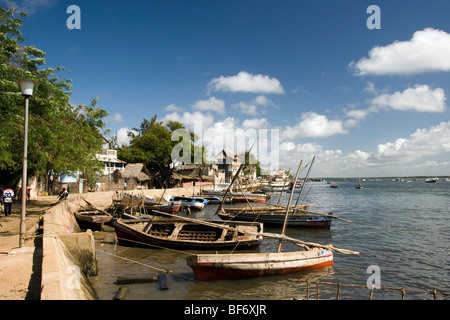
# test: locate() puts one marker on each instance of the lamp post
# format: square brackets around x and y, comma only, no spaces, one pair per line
[26,86]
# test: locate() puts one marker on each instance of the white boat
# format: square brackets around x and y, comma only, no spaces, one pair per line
[359,185]
[193,203]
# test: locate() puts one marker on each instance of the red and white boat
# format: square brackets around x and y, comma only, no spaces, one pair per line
[245,265]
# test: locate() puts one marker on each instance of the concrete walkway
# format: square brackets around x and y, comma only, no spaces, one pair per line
[20,268]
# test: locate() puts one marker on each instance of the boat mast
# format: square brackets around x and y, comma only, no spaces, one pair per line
[306,178]
[288,206]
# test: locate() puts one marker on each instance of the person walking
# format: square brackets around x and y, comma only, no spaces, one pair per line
[8,196]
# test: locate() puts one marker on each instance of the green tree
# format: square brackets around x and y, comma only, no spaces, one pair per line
[153,146]
[61,138]
[252,164]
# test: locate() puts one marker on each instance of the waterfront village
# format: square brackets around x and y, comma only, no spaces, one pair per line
[117,175]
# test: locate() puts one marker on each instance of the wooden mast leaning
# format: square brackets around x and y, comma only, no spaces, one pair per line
[288,206]
[232,181]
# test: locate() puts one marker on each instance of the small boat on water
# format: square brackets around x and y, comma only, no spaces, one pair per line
[250,197]
[275,217]
[239,197]
[184,233]
[246,265]
[215,199]
[431,180]
[151,206]
[194,203]
[92,218]
[359,185]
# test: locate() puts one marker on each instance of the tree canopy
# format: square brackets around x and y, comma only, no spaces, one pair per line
[154,145]
[62,138]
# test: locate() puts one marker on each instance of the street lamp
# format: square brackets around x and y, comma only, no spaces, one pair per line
[26,86]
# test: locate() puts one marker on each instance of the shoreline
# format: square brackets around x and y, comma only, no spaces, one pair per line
[21,268]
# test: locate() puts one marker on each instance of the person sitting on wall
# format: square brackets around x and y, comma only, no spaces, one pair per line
[63,194]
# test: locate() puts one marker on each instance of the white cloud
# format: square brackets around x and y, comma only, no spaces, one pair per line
[420,98]
[246,108]
[428,50]
[116,118]
[287,146]
[256,107]
[212,104]
[29,6]
[423,142]
[246,82]
[122,136]
[172,107]
[255,123]
[403,156]
[314,125]
[190,118]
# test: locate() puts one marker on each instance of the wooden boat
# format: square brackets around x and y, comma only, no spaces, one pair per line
[184,233]
[235,266]
[274,217]
[127,201]
[245,265]
[125,215]
[151,206]
[92,219]
[242,196]
[194,203]
[216,199]
[334,186]
[250,197]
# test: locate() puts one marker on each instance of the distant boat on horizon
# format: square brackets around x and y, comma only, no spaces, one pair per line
[359,185]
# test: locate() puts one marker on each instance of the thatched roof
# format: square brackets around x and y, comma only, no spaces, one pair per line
[138,171]
[178,176]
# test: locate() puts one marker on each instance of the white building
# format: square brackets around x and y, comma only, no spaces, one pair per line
[109,158]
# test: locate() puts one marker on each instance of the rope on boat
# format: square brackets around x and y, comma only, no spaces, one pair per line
[137,262]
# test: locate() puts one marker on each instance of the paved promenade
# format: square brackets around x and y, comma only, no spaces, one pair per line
[20,267]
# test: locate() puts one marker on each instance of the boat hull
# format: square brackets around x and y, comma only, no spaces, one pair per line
[94,222]
[277,220]
[193,203]
[238,266]
[171,208]
[177,234]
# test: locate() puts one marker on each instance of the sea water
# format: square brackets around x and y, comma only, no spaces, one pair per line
[400,228]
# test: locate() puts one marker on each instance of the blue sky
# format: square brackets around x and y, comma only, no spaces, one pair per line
[365,102]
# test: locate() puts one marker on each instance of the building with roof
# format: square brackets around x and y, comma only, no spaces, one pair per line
[227,163]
